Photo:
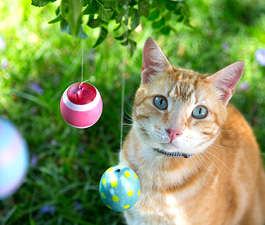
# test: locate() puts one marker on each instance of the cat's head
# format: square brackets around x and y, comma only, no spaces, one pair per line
[180,112]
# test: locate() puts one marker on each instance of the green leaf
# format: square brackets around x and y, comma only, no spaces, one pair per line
[165,30]
[122,37]
[39,3]
[71,11]
[126,20]
[158,24]
[58,10]
[91,17]
[105,11]
[132,46]
[154,14]
[91,8]
[171,6]
[178,11]
[56,19]
[65,27]
[144,8]
[118,19]
[82,34]
[49,0]
[114,15]
[94,23]
[180,18]
[125,42]
[135,19]
[118,27]
[121,4]
[132,3]
[102,36]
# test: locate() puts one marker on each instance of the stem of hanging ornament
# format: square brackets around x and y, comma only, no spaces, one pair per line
[122,103]
[123,89]
[82,65]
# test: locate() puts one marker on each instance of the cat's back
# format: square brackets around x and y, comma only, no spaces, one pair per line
[237,128]
[238,138]
[236,152]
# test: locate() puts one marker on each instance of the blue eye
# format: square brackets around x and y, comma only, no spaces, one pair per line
[160,102]
[199,112]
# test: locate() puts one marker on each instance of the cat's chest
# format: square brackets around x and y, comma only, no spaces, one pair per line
[160,209]
[166,197]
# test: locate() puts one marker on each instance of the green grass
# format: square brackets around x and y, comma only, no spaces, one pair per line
[71,161]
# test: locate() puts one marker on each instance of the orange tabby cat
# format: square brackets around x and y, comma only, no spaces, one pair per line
[196,156]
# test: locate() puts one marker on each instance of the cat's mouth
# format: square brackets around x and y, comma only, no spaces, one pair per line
[173,154]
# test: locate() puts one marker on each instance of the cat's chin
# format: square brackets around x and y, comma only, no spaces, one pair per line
[172,154]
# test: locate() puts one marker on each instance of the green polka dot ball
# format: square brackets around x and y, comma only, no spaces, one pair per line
[119,188]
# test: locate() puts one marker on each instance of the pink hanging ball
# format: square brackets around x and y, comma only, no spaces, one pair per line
[81,105]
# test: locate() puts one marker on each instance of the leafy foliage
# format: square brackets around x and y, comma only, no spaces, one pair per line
[126,14]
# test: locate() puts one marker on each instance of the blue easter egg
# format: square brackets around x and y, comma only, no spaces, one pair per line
[119,188]
[14,159]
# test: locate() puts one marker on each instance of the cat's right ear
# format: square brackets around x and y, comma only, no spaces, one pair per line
[154,61]
[226,79]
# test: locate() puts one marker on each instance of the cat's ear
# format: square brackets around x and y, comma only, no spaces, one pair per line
[226,79]
[154,61]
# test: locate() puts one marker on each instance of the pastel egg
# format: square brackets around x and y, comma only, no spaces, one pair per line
[14,159]
[81,105]
[119,188]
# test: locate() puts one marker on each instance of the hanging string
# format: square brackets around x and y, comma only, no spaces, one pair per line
[123,86]
[82,65]
[122,90]
[122,105]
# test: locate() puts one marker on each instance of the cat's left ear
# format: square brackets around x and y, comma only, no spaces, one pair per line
[226,79]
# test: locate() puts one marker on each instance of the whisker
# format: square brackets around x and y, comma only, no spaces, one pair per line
[203,160]
[126,111]
[215,147]
[130,105]
[220,146]
[205,164]
[226,130]
[226,151]
[128,124]
[213,163]
[141,132]
[221,162]
[128,118]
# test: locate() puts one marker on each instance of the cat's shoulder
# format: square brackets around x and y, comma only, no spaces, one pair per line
[237,123]
[233,114]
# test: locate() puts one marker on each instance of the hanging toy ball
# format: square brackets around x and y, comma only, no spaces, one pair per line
[119,188]
[81,105]
[14,158]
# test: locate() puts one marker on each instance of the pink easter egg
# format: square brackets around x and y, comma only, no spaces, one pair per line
[81,105]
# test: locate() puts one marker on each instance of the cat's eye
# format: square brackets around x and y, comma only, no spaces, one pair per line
[160,102]
[199,112]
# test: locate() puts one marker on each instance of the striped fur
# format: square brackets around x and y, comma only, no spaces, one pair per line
[223,182]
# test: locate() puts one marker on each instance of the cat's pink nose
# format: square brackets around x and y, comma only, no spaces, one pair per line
[173,134]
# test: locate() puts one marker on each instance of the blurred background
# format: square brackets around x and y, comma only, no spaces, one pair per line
[38,63]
